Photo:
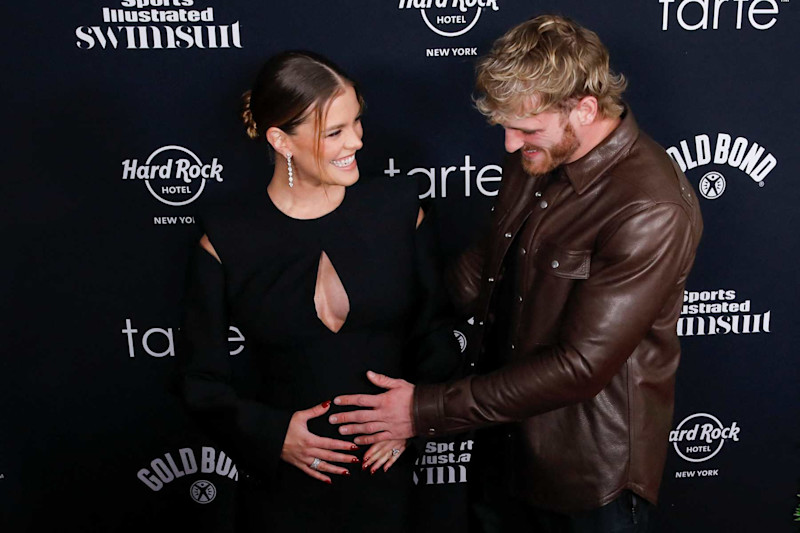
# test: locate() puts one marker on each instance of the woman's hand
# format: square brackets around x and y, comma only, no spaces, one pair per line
[383,454]
[303,449]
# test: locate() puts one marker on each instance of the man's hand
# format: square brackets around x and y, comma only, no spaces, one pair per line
[389,416]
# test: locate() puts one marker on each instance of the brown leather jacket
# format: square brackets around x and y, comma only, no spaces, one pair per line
[602,249]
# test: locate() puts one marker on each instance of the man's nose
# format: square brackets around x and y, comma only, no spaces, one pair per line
[513,140]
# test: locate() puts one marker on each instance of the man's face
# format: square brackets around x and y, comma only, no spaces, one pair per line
[546,141]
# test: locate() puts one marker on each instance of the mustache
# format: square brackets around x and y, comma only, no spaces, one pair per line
[532,147]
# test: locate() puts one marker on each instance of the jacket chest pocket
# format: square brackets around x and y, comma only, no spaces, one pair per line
[561,262]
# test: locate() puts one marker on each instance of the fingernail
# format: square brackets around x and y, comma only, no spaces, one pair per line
[344,431]
[355,460]
[334,419]
[328,481]
[364,466]
[370,373]
[372,472]
[353,447]
[337,401]
[326,404]
[346,473]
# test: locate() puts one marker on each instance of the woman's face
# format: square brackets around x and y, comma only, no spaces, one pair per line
[340,139]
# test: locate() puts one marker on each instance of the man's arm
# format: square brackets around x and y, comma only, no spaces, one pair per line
[633,272]
[645,259]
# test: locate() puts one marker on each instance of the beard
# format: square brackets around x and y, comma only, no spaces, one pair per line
[548,159]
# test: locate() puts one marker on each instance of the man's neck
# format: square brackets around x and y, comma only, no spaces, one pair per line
[594,134]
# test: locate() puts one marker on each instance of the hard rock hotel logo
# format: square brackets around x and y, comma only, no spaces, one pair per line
[174,176]
[700,437]
[158,25]
[724,152]
[450,18]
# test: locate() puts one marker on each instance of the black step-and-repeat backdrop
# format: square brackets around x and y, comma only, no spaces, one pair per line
[121,119]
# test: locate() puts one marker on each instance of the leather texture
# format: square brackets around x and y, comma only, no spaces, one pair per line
[601,249]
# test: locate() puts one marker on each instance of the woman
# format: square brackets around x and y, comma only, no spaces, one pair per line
[328,278]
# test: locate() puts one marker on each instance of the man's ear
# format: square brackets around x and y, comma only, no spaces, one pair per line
[278,139]
[586,110]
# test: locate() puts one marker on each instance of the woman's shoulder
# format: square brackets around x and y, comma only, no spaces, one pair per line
[388,194]
[226,218]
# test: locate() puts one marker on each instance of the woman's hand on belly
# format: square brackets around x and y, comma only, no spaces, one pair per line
[305,450]
[383,454]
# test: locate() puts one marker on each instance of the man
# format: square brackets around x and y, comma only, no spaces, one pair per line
[576,293]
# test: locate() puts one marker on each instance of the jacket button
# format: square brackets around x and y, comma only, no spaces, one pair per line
[513,347]
[554,264]
[480,323]
[508,235]
[490,280]
[431,431]
[472,365]
[543,204]
[522,251]
[492,209]
[538,194]
[519,298]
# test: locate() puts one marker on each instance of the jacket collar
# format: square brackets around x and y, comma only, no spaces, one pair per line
[589,168]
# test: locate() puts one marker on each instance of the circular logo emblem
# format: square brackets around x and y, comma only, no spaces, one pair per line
[701,436]
[174,175]
[462,340]
[203,491]
[712,185]
[451,22]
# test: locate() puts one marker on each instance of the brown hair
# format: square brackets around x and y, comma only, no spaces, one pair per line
[545,63]
[287,87]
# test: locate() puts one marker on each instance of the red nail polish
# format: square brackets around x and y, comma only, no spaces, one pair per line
[364,466]
[328,481]
[372,472]
[353,447]
[326,404]
[355,460]
[346,473]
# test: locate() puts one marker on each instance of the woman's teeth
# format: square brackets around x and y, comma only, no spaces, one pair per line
[344,162]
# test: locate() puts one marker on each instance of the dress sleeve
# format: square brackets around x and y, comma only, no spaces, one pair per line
[436,353]
[250,432]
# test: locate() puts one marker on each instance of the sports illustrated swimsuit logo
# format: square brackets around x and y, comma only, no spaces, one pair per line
[165,469]
[486,180]
[722,150]
[692,15]
[698,438]
[173,175]
[158,25]
[717,312]
[441,464]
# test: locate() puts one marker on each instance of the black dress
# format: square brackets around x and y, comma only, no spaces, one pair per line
[265,285]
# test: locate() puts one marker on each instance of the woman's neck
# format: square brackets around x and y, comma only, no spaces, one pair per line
[305,200]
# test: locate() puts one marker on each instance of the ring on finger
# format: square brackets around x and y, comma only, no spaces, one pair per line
[395,452]
[315,463]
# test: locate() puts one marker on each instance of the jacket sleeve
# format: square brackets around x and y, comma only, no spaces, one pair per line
[435,353]
[633,271]
[250,432]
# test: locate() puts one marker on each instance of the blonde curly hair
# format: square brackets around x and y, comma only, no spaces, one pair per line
[546,63]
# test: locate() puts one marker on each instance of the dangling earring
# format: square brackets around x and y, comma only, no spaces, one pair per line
[291,171]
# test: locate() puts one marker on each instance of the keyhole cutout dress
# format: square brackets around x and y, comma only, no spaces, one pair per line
[319,302]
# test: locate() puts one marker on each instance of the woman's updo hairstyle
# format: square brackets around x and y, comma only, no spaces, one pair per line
[288,85]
